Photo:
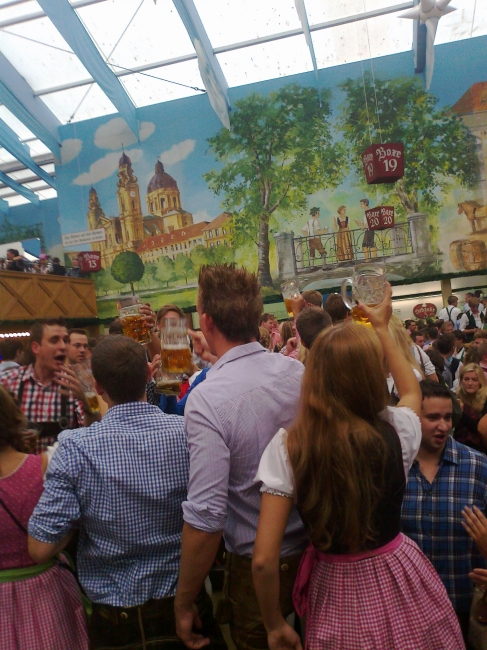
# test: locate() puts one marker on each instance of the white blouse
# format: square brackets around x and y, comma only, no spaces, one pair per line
[275,471]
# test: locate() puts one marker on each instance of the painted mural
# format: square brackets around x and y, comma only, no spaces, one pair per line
[284,191]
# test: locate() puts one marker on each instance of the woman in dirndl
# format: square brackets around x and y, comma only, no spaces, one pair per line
[40,605]
[362,584]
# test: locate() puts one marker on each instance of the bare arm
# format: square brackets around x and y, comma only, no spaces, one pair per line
[41,552]
[405,381]
[198,553]
[274,514]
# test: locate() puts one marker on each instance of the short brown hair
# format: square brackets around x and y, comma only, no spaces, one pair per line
[480,334]
[265,317]
[336,308]
[169,307]
[115,359]
[313,297]
[77,330]
[115,327]
[264,337]
[231,297]
[9,348]
[37,329]
[310,322]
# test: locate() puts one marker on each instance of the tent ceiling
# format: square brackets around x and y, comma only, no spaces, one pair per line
[146,45]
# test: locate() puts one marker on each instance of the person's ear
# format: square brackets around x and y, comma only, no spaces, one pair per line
[99,389]
[34,346]
[207,322]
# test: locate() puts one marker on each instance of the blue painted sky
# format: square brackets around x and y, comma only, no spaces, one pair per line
[189,122]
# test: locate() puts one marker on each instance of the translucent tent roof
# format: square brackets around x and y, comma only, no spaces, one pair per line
[146,44]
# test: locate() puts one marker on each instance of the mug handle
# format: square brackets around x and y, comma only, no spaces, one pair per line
[345,297]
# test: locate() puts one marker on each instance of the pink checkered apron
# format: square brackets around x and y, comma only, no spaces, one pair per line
[44,612]
[387,599]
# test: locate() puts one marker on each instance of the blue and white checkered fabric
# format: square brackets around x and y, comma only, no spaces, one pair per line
[431,516]
[124,480]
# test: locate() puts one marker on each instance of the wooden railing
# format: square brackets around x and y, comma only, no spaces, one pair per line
[27,296]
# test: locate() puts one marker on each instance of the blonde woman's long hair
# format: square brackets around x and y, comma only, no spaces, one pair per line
[477,401]
[335,450]
[403,341]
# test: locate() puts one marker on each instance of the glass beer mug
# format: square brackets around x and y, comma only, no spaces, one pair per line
[368,285]
[133,322]
[175,357]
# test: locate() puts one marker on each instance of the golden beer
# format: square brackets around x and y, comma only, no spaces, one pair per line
[167,386]
[359,316]
[287,302]
[92,401]
[135,326]
[175,358]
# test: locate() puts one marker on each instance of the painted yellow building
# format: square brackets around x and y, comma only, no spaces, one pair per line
[129,230]
[218,231]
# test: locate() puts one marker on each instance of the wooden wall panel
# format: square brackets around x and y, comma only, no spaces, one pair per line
[25,296]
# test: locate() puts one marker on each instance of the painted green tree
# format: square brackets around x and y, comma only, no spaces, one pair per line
[183,267]
[104,282]
[165,270]
[438,147]
[127,268]
[279,150]
[200,255]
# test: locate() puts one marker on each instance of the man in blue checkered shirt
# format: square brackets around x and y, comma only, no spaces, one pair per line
[123,481]
[445,477]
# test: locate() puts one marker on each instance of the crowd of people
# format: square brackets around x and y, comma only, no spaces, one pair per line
[45,265]
[341,465]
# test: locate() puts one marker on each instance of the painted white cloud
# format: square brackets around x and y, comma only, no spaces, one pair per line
[201,215]
[177,152]
[105,167]
[116,134]
[70,148]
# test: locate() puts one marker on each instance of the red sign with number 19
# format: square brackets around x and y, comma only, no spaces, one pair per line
[384,163]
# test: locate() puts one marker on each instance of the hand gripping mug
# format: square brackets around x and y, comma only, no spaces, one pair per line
[368,285]
[175,357]
[133,322]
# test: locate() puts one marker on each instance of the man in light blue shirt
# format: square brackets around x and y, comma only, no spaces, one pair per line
[248,395]
[123,481]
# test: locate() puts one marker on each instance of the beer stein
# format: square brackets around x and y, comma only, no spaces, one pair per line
[83,372]
[133,322]
[290,291]
[175,357]
[368,284]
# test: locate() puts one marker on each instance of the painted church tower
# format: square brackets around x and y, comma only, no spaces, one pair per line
[129,205]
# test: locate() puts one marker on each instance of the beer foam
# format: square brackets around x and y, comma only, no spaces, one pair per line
[175,346]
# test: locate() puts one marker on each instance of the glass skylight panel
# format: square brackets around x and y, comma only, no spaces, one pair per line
[5,157]
[146,90]
[321,11]
[41,55]
[228,21]
[21,174]
[37,148]
[16,200]
[48,193]
[35,185]
[469,20]
[279,58]
[14,123]
[72,105]
[361,40]
[154,35]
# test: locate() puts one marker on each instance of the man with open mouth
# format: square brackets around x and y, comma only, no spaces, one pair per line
[445,477]
[48,391]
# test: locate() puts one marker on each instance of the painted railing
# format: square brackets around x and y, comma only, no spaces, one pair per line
[346,247]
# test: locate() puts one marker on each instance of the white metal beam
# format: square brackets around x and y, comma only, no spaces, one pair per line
[211,73]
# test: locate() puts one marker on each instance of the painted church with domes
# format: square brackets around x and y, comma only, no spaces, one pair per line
[129,230]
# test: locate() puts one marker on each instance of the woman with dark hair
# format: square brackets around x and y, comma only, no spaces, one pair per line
[344,464]
[40,604]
